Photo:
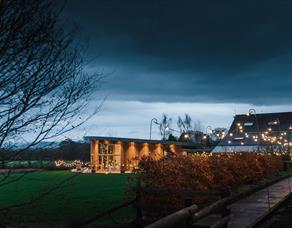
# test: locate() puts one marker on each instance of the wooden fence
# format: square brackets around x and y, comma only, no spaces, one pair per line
[190,215]
[186,217]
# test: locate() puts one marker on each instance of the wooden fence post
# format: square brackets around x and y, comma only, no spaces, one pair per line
[285,166]
[139,220]
[224,210]
[188,202]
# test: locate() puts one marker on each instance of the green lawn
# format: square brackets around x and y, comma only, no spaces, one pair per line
[82,197]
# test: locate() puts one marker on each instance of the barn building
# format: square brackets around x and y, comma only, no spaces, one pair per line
[264,132]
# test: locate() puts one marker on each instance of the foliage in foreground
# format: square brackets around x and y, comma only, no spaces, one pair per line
[205,172]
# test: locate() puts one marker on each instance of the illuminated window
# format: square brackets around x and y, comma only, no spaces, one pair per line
[248,124]
[238,138]
[109,155]
[272,123]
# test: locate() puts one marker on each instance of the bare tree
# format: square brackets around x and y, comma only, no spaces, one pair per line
[180,124]
[44,89]
[185,124]
[164,126]
[198,126]
[43,86]
[188,122]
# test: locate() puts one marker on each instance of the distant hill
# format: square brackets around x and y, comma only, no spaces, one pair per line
[46,144]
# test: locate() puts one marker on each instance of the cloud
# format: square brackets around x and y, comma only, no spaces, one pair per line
[190,51]
[132,118]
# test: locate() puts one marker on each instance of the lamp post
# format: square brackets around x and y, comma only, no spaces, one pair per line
[252,111]
[153,120]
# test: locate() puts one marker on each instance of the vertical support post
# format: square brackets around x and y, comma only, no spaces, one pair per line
[285,166]
[139,221]
[123,159]
[269,203]
[224,210]
[188,202]
[94,155]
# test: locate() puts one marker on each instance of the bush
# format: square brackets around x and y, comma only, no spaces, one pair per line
[205,172]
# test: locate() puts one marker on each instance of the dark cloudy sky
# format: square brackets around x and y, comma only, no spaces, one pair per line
[210,59]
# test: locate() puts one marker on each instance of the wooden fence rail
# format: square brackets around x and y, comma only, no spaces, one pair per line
[176,191]
[187,217]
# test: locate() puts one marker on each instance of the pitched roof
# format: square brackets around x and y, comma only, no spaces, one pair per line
[117,139]
[245,128]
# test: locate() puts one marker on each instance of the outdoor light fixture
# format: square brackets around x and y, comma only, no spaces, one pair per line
[153,120]
[251,111]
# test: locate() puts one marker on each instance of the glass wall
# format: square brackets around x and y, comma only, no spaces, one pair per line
[109,157]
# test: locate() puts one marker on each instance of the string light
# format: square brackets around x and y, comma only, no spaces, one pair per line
[67,164]
[269,136]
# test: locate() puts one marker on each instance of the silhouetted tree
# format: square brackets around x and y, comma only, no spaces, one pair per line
[164,126]
[171,137]
[180,124]
[43,87]
[71,150]
[185,124]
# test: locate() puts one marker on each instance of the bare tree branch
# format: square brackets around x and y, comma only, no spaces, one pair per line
[43,86]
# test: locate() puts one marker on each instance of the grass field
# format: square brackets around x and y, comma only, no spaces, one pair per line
[82,197]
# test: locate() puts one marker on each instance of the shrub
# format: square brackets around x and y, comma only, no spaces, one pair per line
[204,172]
